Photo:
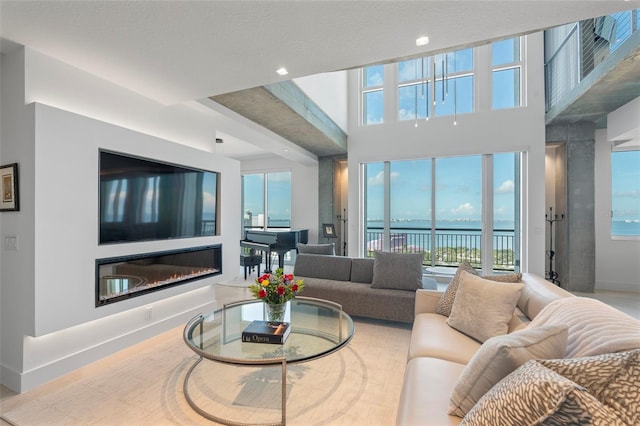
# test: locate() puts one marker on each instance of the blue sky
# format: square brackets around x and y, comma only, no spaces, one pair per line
[458,188]
[625,176]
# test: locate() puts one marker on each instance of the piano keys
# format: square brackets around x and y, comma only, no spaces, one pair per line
[278,240]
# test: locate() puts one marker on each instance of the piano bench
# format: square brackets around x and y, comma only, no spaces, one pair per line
[249,261]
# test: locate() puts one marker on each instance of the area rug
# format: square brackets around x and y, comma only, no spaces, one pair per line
[143,385]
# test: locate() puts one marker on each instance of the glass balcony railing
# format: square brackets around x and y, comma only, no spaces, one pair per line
[447,246]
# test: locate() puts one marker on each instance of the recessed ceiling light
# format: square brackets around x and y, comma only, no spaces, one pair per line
[282,71]
[422,41]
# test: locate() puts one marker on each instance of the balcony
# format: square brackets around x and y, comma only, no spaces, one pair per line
[447,247]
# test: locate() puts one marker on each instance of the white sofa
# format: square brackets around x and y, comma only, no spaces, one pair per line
[438,353]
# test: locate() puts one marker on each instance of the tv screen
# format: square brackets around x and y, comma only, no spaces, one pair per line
[144,199]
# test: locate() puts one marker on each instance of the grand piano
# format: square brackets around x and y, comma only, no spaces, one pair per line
[279,240]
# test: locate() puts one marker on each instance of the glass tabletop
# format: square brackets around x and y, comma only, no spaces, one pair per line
[318,328]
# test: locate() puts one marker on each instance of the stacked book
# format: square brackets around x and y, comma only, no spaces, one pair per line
[266,332]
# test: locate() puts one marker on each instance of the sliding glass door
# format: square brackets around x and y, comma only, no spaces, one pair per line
[450,209]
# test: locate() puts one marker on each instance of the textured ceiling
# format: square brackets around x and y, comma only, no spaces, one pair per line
[175,51]
[179,51]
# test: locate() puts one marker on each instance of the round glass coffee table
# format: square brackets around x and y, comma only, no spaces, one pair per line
[318,328]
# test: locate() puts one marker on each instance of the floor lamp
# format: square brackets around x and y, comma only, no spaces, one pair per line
[343,219]
[550,218]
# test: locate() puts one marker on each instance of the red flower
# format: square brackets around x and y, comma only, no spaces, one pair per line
[294,287]
[288,277]
[264,277]
[280,290]
[262,294]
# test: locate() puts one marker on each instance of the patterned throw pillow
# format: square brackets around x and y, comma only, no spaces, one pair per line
[445,303]
[504,278]
[614,379]
[533,394]
[501,355]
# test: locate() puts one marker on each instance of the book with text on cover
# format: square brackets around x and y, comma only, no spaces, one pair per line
[266,332]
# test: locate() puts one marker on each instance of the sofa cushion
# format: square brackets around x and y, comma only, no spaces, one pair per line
[534,394]
[482,308]
[319,266]
[400,271]
[432,337]
[501,355]
[594,327]
[425,392]
[537,294]
[446,301]
[328,249]
[362,270]
[611,378]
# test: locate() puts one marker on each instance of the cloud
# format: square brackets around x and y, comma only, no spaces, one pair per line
[378,179]
[506,187]
[627,194]
[464,209]
[209,201]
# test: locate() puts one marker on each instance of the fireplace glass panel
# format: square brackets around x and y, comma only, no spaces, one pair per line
[120,278]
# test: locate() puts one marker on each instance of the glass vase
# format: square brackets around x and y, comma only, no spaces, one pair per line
[275,311]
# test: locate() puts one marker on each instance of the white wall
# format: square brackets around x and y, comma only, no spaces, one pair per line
[520,129]
[49,322]
[617,265]
[329,92]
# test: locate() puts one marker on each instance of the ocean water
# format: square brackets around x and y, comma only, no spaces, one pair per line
[625,228]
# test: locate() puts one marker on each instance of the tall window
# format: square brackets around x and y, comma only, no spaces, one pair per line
[270,193]
[372,95]
[414,85]
[506,210]
[453,76]
[436,206]
[453,92]
[625,193]
[507,69]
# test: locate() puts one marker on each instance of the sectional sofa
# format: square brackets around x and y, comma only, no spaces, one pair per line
[381,288]
[554,359]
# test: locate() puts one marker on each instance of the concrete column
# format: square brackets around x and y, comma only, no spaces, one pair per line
[575,197]
[326,212]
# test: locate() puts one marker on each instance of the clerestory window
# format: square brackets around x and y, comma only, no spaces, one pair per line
[507,73]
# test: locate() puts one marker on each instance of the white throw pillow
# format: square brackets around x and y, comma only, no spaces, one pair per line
[501,355]
[482,308]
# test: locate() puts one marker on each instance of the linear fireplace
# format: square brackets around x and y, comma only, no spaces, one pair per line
[123,277]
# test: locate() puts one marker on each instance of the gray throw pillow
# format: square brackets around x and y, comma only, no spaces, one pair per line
[401,271]
[328,249]
[362,270]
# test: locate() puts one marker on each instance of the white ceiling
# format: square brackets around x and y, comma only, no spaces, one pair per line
[179,51]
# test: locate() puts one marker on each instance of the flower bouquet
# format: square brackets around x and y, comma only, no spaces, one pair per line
[276,288]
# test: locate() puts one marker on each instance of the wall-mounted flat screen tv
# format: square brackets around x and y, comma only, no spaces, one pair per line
[142,199]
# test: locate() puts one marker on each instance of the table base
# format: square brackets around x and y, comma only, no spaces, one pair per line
[215,418]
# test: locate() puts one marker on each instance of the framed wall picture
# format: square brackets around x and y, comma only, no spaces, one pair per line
[328,230]
[9,186]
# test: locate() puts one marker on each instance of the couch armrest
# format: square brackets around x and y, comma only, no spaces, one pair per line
[426,301]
